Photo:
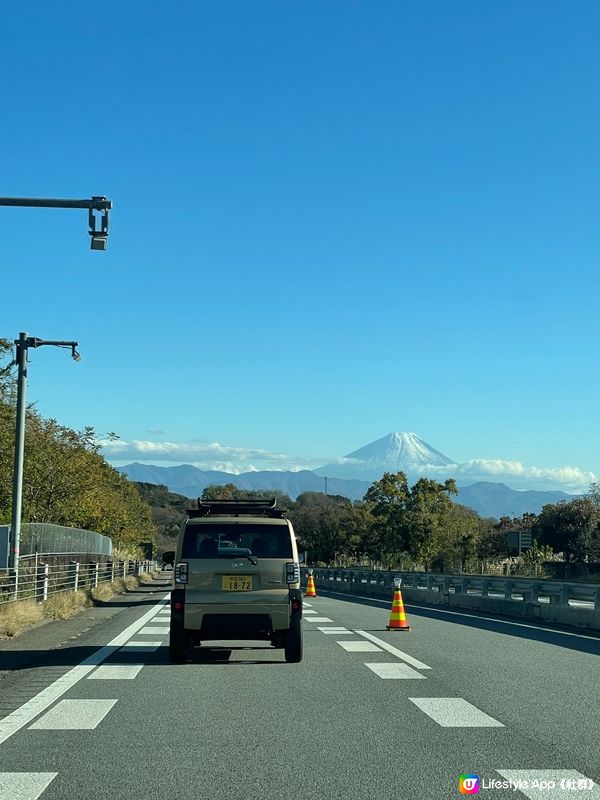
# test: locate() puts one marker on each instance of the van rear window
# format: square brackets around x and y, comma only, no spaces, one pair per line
[214,540]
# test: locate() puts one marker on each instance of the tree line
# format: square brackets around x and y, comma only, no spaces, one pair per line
[399,525]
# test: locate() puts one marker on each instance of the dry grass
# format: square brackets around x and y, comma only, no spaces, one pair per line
[65,604]
[145,577]
[104,591]
[15,617]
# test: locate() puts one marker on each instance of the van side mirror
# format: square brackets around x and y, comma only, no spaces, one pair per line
[169,557]
[302,557]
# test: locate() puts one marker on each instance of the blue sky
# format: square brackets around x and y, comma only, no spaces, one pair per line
[332,220]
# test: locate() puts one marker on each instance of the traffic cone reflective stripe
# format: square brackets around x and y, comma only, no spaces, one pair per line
[398,621]
[310,587]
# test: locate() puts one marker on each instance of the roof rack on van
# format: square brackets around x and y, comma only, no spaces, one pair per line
[236,508]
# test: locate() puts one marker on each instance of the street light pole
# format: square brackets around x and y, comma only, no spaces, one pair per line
[15,526]
[22,345]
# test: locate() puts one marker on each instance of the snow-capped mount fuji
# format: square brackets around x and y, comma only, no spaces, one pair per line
[392,453]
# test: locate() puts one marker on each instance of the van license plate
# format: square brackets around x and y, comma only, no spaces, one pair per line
[236,583]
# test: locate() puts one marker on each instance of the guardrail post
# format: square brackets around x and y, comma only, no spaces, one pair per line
[565,593]
[96,571]
[485,587]
[74,570]
[597,599]
[508,589]
[41,589]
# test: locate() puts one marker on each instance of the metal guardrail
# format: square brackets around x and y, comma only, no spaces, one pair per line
[44,580]
[559,593]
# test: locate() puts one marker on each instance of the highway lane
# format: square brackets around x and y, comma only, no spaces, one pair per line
[466,696]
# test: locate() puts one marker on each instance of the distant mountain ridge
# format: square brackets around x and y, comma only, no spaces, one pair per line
[487,498]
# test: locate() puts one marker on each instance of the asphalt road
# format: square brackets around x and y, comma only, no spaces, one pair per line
[369,713]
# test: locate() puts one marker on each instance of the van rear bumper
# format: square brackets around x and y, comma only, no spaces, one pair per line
[236,621]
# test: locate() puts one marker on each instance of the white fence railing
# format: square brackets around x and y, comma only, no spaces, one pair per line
[38,581]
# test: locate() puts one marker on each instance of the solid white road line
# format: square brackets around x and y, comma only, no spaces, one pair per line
[74,715]
[318,619]
[454,712]
[115,672]
[150,630]
[414,662]
[24,714]
[565,780]
[336,630]
[141,647]
[391,670]
[24,785]
[359,647]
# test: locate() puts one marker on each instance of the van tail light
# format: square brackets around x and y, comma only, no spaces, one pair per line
[181,572]
[296,605]
[292,572]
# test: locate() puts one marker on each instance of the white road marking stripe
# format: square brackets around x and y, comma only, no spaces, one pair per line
[115,672]
[16,720]
[394,650]
[24,785]
[391,670]
[307,605]
[308,611]
[567,788]
[153,630]
[446,610]
[141,647]
[454,712]
[359,647]
[74,715]
[335,630]
[318,619]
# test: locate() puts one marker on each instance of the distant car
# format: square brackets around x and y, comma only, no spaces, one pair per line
[237,576]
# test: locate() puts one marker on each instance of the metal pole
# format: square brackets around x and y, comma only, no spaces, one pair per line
[15,527]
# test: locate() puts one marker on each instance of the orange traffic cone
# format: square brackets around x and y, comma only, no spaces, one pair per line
[310,585]
[398,621]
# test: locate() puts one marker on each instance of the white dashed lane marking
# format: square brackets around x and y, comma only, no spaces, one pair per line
[74,715]
[318,619]
[391,670]
[359,647]
[335,630]
[309,611]
[571,783]
[454,712]
[115,672]
[414,662]
[17,719]
[24,785]
[153,630]
[141,647]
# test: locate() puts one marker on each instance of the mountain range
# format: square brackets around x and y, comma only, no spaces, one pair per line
[352,475]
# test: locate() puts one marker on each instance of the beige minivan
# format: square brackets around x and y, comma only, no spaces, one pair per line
[236,576]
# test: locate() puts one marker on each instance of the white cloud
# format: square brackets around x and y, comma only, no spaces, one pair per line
[521,476]
[204,455]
